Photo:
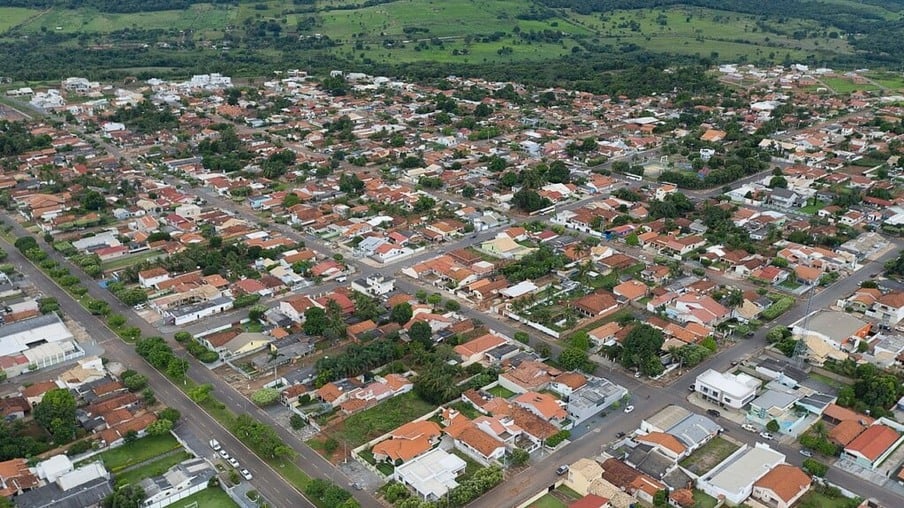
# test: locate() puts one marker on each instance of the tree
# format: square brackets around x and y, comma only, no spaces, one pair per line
[573,358]
[641,348]
[314,321]
[130,437]
[176,368]
[401,313]
[421,332]
[335,321]
[127,496]
[160,427]
[350,184]
[434,299]
[468,192]
[56,413]
[815,468]
[93,200]
[201,393]
[265,396]
[778,182]
[452,305]
[135,382]
[522,337]
[366,307]
[632,240]
[661,498]
[296,421]
[170,414]
[772,426]
[519,457]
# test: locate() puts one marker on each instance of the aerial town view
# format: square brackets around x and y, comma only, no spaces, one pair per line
[425,254]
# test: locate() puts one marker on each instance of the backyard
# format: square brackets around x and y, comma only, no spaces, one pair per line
[501,391]
[151,469]
[361,427]
[710,455]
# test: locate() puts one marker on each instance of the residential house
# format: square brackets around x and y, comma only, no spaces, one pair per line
[408,441]
[543,405]
[874,445]
[474,350]
[595,304]
[783,486]
[432,474]
[593,397]
[889,308]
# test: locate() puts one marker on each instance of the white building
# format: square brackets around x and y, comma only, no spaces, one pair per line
[376,285]
[734,391]
[177,483]
[735,476]
[432,474]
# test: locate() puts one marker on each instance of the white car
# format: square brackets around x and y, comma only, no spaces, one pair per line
[766,435]
[748,427]
[628,409]
[245,474]
[232,462]
[215,445]
[224,454]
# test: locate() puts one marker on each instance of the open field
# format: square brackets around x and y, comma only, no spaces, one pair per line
[138,451]
[151,469]
[15,16]
[361,427]
[197,17]
[844,85]
[709,456]
[889,80]
[128,260]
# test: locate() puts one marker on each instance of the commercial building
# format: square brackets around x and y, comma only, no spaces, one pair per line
[733,391]
[735,476]
[592,398]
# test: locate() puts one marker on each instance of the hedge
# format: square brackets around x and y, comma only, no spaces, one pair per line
[778,308]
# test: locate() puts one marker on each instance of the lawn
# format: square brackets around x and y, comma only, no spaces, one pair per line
[888,80]
[704,500]
[826,380]
[124,261]
[13,16]
[156,468]
[212,497]
[548,501]
[380,419]
[812,209]
[138,451]
[501,391]
[710,455]
[816,499]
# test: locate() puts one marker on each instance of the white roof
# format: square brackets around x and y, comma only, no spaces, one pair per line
[745,469]
[738,386]
[54,467]
[82,475]
[433,473]
[522,288]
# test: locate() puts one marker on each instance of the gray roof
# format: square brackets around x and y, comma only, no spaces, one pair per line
[51,495]
[597,392]
[668,417]
[834,325]
[774,398]
[29,324]
[818,401]
[694,430]
[189,309]
[650,461]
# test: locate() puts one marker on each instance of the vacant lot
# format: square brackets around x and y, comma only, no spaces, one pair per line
[213,497]
[151,469]
[361,427]
[709,456]
[138,451]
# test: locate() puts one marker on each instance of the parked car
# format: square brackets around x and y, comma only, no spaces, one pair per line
[357,486]
[224,454]
[692,388]
[245,474]
[713,412]
[748,427]
[806,453]
[620,435]
[629,408]
[233,462]
[766,435]
[734,363]
[215,445]
[561,470]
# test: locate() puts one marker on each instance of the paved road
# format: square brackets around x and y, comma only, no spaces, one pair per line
[647,398]
[308,460]
[267,481]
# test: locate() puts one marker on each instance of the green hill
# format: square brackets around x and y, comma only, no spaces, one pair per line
[502,39]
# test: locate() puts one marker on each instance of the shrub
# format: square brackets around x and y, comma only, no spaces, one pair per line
[296,421]
[815,467]
[78,448]
[557,438]
[265,396]
[778,308]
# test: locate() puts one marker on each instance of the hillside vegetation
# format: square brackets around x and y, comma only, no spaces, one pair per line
[537,40]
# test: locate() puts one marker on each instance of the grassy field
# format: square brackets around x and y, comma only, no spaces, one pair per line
[888,80]
[704,500]
[129,260]
[207,498]
[156,468]
[14,16]
[138,451]
[501,391]
[814,499]
[198,17]
[380,419]
[710,455]
[844,85]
